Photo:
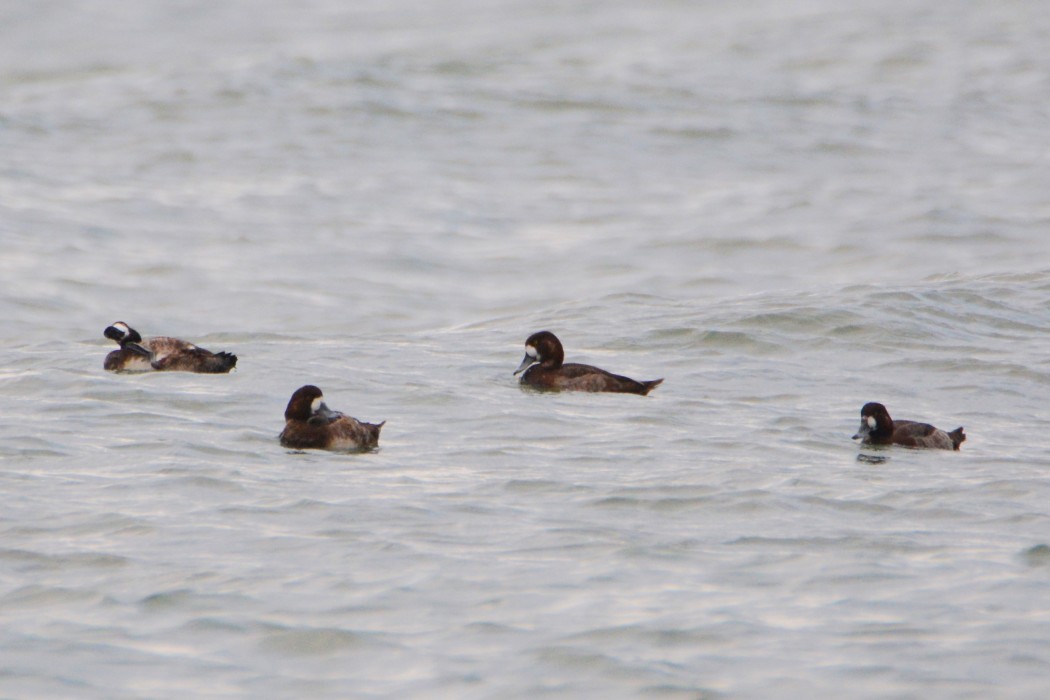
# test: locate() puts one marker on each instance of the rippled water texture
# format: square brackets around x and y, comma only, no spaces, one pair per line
[784,209]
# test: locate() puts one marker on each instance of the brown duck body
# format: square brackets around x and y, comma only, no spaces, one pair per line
[162,353]
[577,377]
[310,424]
[545,368]
[878,428]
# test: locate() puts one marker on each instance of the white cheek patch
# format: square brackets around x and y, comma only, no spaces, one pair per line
[531,351]
[872,422]
[122,327]
[316,404]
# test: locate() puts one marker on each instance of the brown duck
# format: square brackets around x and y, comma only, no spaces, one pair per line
[545,368]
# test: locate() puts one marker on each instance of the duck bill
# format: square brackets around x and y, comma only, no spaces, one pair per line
[862,432]
[529,359]
[138,350]
[326,414]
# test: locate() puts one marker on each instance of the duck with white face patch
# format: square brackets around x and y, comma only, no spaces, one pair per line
[310,424]
[545,368]
[877,428]
[161,353]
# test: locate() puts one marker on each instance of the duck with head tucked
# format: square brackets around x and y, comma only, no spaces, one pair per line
[310,424]
[161,354]
[877,428]
[544,367]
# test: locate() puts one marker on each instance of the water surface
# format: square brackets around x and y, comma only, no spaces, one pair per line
[784,211]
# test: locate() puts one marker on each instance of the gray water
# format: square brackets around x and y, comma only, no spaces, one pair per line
[785,209]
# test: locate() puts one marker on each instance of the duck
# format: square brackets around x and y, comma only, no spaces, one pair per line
[161,354]
[310,424]
[877,428]
[544,367]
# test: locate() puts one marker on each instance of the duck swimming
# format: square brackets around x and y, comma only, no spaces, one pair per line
[310,424]
[545,368]
[877,428]
[161,354]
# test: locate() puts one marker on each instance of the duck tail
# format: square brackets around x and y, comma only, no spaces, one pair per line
[958,437]
[222,362]
[650,385]
[373,433]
